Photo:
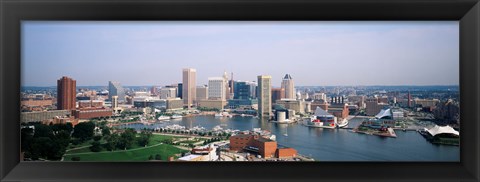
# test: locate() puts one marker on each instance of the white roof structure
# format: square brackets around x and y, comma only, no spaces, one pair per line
[442,129]
[384,113]
[189,157]
[320,112]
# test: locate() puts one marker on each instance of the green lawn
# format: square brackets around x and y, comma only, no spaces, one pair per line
[139,154]
[136,153]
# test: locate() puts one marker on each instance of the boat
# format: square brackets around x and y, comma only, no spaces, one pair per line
[243,115]
[163,118]
[217,128]
[176,116]
[342,124]
[218,115]
[321,119]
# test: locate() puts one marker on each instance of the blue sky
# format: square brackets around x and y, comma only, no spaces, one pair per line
[314,53]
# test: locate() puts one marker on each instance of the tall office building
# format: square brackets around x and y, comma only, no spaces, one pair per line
[202,93]
[168,93]
[227,88]
[277,94]
[180,90]
[216,88]
[189,89]
[114,102]
[288,86]
[242,90]
[231,84]
[66,93]
[116,89]
[264,95]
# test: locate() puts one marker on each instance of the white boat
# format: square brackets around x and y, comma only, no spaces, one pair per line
[218,115]
[176,116]
[286,121]
[342,124]
[243,115]
[163,118]
[217,128]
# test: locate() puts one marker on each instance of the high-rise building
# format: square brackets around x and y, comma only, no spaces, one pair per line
[231,84]
[216,88]
[253,89]
[168,93]
[116,89]
[66,93]
[242,90]
[189,87]
[114,101]
[227,88]
[154,90]
[264,95]
[202,93]
[180,90]
[277,94]
[288,86]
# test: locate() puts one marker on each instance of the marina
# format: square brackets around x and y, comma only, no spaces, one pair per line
[323,144]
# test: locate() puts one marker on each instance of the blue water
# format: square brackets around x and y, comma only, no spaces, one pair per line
[332,144]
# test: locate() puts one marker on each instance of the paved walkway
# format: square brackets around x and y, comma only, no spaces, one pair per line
[140,148]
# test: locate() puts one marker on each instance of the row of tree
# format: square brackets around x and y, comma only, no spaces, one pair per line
[127,139]
[49,142]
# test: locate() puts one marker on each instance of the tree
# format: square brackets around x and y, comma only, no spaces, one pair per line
[127,138]
[112,141]
[95,146]
[158,157]
[150,157]
[97,138]
[42,130]
[144,138]
[105,131]
[84,131]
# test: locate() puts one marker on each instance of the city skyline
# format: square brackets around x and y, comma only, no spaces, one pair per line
[133,55]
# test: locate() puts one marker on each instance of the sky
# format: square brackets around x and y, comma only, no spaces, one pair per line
[314,53]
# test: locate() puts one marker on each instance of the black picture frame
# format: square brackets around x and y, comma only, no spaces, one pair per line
[12,12]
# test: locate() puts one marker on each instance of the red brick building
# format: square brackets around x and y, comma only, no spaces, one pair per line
[66,93]
[88,113]
[286,152]
[90,103]
[266,148]
[338,110]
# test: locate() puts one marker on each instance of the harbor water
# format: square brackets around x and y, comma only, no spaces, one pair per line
[330,144]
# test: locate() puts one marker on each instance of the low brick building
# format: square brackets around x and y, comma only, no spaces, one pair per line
[265,147]
[88,113]
[286,153]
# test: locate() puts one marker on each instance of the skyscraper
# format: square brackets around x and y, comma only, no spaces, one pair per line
[66,93]
[202,93]
[189,87]
[116,89]
[226,85]
[277,94]
[242,90]
[216,88]
[264,95]
[288,86]
[180,90]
